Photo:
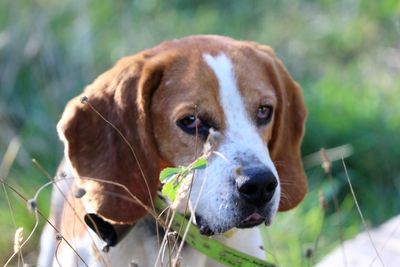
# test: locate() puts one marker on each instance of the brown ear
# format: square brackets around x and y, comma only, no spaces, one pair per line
[96,151]
[288,131]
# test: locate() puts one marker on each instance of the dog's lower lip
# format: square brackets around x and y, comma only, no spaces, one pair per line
[203,226]
[205,230]
[252,220]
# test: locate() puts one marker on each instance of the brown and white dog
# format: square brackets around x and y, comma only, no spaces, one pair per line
[163,103]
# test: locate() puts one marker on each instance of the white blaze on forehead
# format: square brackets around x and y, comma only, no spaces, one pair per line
[240,131]
[231,100]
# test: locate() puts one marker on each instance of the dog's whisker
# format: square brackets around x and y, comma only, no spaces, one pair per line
[288,183]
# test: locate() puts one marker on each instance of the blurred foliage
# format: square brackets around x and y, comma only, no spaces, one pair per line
[345,54]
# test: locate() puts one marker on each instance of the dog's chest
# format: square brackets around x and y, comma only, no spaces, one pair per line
[140,246]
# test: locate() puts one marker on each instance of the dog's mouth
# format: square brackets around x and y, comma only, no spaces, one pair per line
[252,220]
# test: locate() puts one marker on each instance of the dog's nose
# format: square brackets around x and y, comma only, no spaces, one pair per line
[256,185]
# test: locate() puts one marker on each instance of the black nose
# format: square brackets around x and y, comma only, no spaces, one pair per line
[256,185]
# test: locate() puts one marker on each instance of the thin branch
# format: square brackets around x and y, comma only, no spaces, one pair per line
[361,214]
[326,165]
[44,217]
[55,183]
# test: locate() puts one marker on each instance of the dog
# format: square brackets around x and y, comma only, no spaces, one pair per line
[157,109]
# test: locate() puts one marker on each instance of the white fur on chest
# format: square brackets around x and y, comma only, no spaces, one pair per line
[140,246]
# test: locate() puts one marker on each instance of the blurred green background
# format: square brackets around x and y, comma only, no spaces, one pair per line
[345,54]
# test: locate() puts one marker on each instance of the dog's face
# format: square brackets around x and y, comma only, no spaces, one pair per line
[234,99]
[240,187]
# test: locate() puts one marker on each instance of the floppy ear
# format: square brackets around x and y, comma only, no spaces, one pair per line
[288,131]
[124,153]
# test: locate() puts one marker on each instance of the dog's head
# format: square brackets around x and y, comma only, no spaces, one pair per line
[159,109]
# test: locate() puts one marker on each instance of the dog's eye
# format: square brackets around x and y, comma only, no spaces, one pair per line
[264,114]
[193,125]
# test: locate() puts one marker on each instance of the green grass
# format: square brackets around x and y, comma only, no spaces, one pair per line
[344,54]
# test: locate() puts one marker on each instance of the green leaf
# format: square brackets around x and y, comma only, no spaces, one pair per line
[169,173]
[173,177]
[171,187]
[200,163]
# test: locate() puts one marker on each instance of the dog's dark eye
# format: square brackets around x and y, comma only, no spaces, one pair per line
[193,125]
[264,115]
